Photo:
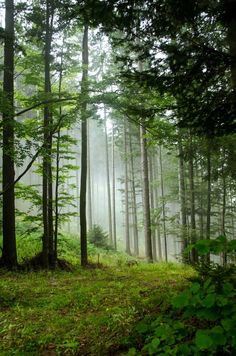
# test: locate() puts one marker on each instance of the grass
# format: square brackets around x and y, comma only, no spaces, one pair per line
[83,312]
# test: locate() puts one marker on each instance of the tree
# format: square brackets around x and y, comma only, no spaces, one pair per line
[83,177]
[126,181]
[48,233]
[9,254]
[146,196]
[108,179]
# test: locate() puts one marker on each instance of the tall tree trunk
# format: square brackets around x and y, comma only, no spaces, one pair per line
[90,219]
[163,205]
[127,233]
[9,254]
[156,204]
[182,196]
[223,212]
[146,200]
[108,179]
[47,253]
[152,205]
[58,164]
[194,256]
[134,200]
[57,194]
[83,179]
[232,213]
[113,188]
[208,215]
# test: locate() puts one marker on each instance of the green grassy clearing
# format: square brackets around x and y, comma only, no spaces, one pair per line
[84,312]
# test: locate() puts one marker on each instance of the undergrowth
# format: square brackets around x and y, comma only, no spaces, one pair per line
[84,311]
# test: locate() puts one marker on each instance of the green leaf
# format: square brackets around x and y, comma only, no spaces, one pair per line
[217,329]
[227,288]
[182,300]
[207,283]
[195,287]
[155,343]
[228,324]
[209,301]
[142,328]
[203,340]
[206,314]
[163,331]
[203,246]
[218,335]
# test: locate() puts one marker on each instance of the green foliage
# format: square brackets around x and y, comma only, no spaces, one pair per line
[202,318]
[215,246]
[98,237]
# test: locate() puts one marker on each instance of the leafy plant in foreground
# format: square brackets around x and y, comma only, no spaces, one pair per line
[202,318]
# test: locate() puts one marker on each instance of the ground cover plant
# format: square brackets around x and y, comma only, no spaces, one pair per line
[84,311]
[202,318]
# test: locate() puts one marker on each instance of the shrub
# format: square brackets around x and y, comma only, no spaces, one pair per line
[201,319]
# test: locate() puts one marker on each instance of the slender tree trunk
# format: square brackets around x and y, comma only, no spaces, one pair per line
[201,193]
[108,180]
[232,213]
[223,212]
[113,188]
[58,165]
[182,195]
[146,200]
[133,193]
[90,220]
[208,215]
[9,254]
[163,205]
[57,195]
[127,234]
[83,179]
[152,206]
[194,256]
[156,204]
[47,253]
[78,192]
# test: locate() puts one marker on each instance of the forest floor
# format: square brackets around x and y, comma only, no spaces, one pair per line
[85,311]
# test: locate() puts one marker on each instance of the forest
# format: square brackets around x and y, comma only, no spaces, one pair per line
[118,194]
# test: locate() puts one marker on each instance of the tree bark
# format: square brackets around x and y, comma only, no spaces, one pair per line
[9,253]
[163,205]
[194,256]
[108,180]
[152,205]
[113,188]
[48,248]
[83,178]
[58,164]
[127,234]
[90,217]
[134,202]
[182,196]
[146,200]
[208,215]
[156,204]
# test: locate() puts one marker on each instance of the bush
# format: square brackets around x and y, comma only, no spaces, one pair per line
[201,319]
